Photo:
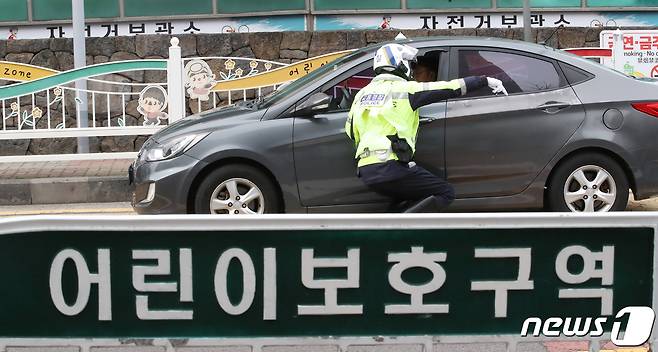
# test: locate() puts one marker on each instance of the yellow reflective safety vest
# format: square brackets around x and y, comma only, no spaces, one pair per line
[388,106]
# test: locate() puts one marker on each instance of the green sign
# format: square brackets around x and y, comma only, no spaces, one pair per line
[540,3]
[316,282]
[167,7]
[238,6]
[456,4]
[13,10]
[322,5]
[61,9]
[622,3]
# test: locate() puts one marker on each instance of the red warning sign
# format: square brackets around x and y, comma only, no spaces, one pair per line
[654,72]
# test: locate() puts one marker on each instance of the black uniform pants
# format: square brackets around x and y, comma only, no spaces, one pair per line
[413,184]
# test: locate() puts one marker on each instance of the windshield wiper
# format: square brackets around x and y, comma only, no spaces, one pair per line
[250,104]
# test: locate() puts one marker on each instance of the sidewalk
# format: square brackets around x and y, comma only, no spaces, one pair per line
[55,182]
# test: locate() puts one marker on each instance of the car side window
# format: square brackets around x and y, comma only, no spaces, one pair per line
[342,93]
[519,73]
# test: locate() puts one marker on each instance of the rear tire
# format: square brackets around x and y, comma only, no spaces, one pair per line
[588,182]
[236,189]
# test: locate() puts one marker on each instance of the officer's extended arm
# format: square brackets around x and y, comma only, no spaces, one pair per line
[434,92]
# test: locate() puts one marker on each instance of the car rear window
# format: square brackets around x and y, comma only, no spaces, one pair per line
[574,75]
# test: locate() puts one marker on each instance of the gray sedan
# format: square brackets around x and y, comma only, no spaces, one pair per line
[571,136]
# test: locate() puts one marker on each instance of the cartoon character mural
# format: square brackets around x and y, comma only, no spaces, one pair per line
[152,103]
[386,23]
[199,79]
[13,34]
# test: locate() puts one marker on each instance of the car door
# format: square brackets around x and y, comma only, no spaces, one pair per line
[324,155]
[430,145]
[497,145]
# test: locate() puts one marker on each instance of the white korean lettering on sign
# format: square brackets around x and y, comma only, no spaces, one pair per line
[150,279]
[162,267]
[85,280]
[606,273]
[248,282]
[501,288]
[330,286]
[416,259]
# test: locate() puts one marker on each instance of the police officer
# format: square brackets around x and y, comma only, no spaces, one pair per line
[383,123]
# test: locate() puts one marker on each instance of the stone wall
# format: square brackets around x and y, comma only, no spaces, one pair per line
[284,47]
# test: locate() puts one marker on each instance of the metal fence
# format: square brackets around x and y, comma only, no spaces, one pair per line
[48,107]
[225,69]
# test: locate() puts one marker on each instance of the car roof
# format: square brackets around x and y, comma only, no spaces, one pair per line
[422,42]
[492,42]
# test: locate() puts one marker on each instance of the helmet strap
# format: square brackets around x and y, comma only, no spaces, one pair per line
[400,71]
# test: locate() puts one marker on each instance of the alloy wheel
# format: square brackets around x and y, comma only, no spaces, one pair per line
[237,196]
[590,188]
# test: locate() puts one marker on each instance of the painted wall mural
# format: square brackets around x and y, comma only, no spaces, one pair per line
[152,104]
[199,79]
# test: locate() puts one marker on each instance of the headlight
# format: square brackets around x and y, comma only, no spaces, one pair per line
[173,147]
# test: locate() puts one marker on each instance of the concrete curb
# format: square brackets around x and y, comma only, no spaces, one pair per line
[65,190]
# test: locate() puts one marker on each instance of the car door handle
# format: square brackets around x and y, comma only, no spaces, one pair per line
[426,120]
[553,107]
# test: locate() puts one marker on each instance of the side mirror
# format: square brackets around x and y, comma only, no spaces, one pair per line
[316,103]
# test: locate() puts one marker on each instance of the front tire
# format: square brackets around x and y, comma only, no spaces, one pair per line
[588,182]
[236,190]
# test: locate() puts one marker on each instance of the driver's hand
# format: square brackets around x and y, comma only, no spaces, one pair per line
[496,85]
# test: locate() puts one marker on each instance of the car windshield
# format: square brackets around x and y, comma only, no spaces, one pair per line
[291,87]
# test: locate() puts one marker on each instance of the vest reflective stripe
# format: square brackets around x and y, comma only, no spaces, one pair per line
[382,109]
[373,159]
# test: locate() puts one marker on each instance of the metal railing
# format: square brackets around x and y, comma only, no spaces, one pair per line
[47,107]
[51,113]
[224,69]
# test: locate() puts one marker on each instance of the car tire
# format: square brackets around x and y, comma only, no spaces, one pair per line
[236,189]
[588,182]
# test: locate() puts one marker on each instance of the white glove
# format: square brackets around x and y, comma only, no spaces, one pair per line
[496,85]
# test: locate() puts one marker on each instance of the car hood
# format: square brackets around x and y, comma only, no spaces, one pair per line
[213,120]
